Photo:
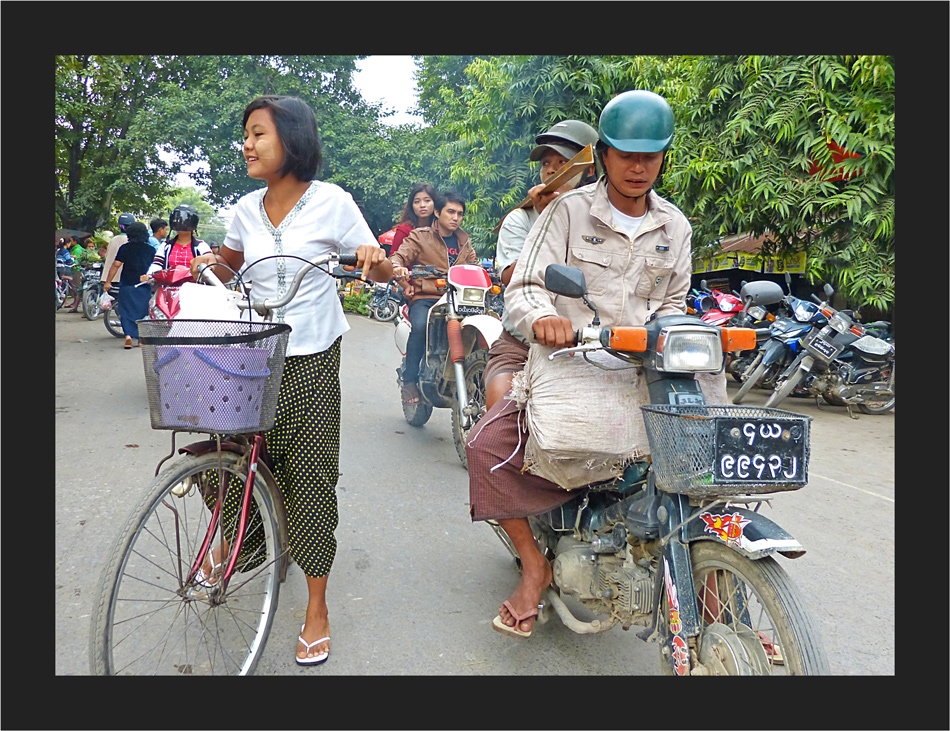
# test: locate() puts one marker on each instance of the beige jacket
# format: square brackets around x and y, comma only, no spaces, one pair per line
[629,281]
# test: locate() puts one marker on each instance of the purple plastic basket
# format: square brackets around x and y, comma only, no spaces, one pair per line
[225,382]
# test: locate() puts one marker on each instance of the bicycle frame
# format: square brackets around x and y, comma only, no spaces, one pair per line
[264,308]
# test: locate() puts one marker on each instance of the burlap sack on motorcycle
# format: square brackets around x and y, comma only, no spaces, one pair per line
[584,422]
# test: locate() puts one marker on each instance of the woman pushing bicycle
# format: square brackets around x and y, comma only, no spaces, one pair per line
[298,216]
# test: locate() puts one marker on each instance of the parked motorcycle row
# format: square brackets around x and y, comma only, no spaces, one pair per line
[813,349]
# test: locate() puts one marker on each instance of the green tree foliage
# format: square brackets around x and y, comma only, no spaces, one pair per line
[106,161]
[753,152]
[753,149]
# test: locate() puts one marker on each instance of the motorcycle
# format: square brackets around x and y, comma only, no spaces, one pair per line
[164,304]
[782,347]
[91,290]
[842,362]
[386,301]
[759,300]
[715,307]
[110,317]
[666,546]
[458,336]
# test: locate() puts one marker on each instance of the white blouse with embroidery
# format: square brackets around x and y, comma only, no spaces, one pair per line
[325,220]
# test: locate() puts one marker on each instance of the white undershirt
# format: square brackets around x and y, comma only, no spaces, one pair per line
[628,224]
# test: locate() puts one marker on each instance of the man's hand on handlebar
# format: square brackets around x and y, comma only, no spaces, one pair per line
[554,331]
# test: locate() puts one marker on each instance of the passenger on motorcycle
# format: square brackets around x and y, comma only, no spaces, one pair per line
[441,245]
[554,148]
[634,248]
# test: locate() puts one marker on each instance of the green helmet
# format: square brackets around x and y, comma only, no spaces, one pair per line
[637,121]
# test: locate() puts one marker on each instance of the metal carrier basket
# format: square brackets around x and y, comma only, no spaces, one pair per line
[706,451]
[213,376]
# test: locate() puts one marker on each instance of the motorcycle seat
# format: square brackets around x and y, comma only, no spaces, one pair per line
[873,346]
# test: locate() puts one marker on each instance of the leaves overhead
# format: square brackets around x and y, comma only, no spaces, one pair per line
[757,149]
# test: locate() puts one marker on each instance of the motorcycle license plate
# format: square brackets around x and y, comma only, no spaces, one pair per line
[761,450]
[824,347]
[466,310]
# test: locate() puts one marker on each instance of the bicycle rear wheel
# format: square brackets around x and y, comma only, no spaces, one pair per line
[149,618]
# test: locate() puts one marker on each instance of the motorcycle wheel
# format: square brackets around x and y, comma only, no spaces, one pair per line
[387,312]
[750,382]
[753,617]
[883,408]
[772,372]
[90,304]
[738,365]
[474,368]
[112,321]
[782,392]
[60,297]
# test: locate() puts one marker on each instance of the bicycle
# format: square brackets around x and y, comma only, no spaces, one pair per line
[65,287]
[192,581]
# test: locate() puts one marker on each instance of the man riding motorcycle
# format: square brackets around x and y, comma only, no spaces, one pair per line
[441,245]
[634,249]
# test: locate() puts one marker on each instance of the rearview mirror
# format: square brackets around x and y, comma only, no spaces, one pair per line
[565,281]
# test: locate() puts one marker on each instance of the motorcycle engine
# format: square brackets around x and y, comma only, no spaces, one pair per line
[604,581]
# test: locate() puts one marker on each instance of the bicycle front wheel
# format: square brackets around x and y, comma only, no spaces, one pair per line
[152,619]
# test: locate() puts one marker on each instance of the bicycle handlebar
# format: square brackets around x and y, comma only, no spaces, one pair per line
[265,307]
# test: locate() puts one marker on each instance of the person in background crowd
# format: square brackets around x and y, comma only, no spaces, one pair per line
[133,259]
[184,246]
[66,268]
[642,269]
[416,213]
[509,353]
[159,228]
[441,245]
[297,215]
[89,254]
[115,243]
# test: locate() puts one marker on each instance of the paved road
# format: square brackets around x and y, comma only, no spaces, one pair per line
[416,584]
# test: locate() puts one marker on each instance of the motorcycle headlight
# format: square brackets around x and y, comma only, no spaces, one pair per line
[757,313]
[840,323]
[688,349]
[471,295]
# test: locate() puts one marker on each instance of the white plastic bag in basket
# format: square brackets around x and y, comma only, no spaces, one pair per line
[202,302]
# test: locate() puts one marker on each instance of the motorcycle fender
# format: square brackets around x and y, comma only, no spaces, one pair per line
[773,351]
[401,335]
[749,533]
[488,327]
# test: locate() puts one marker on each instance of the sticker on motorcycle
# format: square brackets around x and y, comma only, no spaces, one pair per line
[728,528]
[679,647]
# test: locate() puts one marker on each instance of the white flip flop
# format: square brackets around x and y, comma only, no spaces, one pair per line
[317,659]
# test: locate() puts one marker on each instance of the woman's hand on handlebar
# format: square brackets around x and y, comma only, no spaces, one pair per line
[199,262]
[373,262]
[554,331]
